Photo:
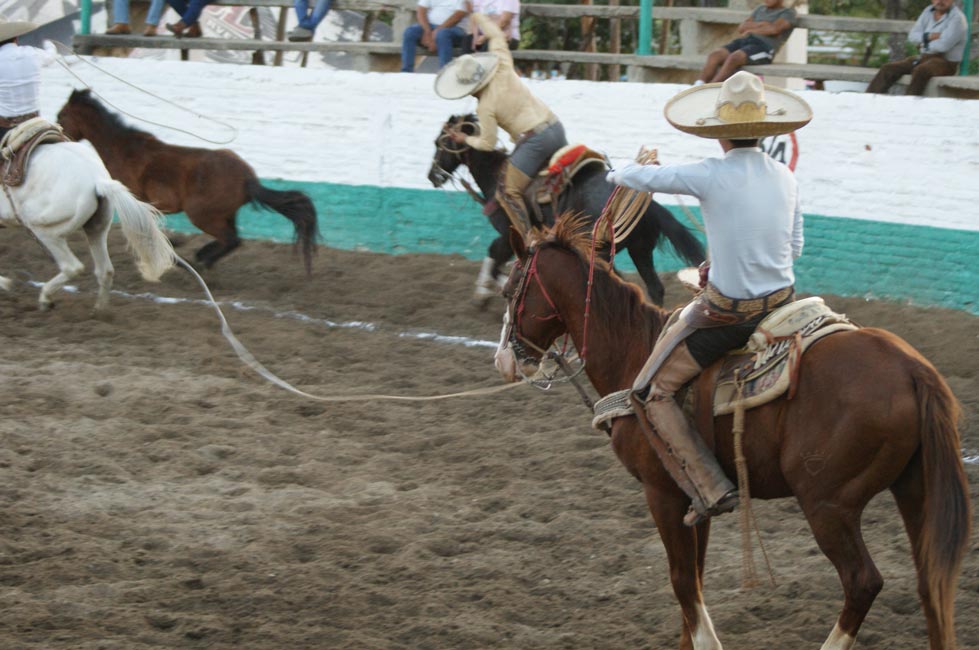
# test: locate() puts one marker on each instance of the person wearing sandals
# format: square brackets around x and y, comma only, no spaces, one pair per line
[309,19]
[190,11]
[504,101]
[120,17]
[750,207]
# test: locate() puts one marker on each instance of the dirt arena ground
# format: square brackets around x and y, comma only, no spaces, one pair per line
[157,494]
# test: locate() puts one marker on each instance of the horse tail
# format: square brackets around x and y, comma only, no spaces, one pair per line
[945,530]
[683,241]
[141,227]
[297,207]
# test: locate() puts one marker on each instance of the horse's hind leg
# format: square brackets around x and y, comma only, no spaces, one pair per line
[909,493]
[836,527]
[68,264]
[97,233]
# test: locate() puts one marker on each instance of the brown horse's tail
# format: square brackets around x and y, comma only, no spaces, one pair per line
[945,530]
[295,206]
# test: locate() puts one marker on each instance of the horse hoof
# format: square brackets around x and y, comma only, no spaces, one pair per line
[45,305]
[481,302]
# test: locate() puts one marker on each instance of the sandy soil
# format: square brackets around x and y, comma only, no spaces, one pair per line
[156,493]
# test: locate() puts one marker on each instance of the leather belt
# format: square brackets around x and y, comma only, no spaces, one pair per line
[540,128]
[11,122]
[749,305]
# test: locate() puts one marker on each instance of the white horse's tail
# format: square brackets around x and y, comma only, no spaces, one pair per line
[140,225]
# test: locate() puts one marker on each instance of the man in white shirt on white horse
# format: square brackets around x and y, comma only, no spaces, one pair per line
[753,221]
[20,75]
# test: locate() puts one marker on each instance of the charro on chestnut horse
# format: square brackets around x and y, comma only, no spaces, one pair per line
[872,410]
[209,185]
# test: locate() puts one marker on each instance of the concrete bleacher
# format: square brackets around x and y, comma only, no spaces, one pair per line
[700,30]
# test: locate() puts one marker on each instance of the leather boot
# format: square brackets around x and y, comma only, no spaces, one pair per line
[715,493]
[118,29]
[511,198]
[193,31]
[149,30]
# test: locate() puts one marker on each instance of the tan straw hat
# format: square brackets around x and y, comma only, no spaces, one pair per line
[465,75]
[9,30]
[741,108]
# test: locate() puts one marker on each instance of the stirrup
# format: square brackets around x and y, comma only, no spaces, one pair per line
[726,503]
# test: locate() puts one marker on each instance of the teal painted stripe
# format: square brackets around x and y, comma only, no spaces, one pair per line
[850,257]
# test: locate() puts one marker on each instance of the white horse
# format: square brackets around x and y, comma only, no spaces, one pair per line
[67,187]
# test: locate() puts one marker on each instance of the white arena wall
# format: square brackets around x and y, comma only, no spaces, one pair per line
[890,185]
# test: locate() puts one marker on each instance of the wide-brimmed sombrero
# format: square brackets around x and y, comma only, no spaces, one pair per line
[741,108]
[465,75]
[9,30]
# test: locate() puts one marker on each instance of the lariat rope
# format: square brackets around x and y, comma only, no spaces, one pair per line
[249,359]
[61,47]
[749,575]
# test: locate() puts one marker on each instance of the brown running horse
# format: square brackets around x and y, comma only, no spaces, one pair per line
[209,185]
[868,405]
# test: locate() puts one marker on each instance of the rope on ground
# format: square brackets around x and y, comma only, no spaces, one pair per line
[249,359]
[62,48]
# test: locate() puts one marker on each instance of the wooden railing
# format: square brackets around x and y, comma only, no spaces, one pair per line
[700,30]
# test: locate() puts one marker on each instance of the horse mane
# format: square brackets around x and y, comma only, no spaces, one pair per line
[621,301]
[109,119]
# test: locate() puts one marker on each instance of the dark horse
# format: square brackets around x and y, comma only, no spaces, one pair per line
[208,185]
[869,413]
[587,195]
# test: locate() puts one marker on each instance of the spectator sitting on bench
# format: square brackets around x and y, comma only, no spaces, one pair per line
[764,32]
[940,34]
[120,17]
[309,19]
[506,15]
[190,11]
[441,27]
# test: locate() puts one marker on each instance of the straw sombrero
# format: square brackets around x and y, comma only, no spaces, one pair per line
[465,75]
[741,108]
[9,30]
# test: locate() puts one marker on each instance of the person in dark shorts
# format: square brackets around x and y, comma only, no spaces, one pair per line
[763,33]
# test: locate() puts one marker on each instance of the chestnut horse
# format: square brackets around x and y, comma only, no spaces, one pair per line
[873,411]
[208,185]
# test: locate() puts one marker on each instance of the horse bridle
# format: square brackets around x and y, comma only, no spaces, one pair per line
[446,144]
[519,344]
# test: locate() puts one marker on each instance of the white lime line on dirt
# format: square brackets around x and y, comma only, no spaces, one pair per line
[293,315]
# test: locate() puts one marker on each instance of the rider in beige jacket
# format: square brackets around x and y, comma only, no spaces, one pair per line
[503,101]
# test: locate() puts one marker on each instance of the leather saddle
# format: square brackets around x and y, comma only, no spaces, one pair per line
[550,181]
[19,143]
[766,368]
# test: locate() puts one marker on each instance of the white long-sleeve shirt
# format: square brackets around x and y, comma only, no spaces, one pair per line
[751,212]
[20,79]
